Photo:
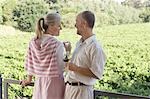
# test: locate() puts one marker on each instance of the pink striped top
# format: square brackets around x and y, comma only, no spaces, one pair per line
[41,58]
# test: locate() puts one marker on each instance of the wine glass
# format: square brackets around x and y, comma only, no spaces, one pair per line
[67,51]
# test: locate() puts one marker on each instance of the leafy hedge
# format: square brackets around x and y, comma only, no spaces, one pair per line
[107,12]
[145,15]
[27,12]
[7,8]
[1,18]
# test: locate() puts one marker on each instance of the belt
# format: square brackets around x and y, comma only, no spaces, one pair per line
[75,83]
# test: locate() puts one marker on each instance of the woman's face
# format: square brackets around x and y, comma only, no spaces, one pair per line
[54,29]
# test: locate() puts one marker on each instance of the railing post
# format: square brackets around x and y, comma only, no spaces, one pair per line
[94,94]
[0,86]
[6,90]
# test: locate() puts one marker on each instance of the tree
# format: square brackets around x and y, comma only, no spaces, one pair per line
[133,3]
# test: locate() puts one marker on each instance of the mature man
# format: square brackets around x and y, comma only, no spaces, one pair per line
[88,60]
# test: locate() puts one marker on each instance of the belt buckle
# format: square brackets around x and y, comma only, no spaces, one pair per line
[78,83]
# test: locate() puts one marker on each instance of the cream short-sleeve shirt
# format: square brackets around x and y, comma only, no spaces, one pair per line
[88,54]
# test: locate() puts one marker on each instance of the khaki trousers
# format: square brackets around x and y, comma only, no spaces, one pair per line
[78,92]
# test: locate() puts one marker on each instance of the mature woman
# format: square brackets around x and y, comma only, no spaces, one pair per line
[44,59]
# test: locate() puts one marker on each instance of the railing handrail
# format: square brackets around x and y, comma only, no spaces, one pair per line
[10,81]
[96,92]
[118,95]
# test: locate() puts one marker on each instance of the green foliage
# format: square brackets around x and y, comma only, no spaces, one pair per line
[107,12]
[27,12]
[12,53]
[1,18]
[7,9]
[67,21]
[127,68]
[126,47]
[68,11]
[50,1]
[118,14]
[145,15]
[1,11]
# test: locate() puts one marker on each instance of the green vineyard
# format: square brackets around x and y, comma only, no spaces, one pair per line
[126,46]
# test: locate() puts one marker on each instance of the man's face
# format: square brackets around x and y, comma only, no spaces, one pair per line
[78,24]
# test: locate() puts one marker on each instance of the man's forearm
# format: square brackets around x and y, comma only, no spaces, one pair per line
[85,72]
[82,71]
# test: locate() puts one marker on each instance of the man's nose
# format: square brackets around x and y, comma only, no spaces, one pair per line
[75,25]
[60,27]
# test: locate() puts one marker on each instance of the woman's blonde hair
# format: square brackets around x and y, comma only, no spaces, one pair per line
[43,23]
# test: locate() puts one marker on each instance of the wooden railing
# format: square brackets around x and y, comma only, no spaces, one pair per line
[0,87]
[97,93]
[117,95]
[6,85]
